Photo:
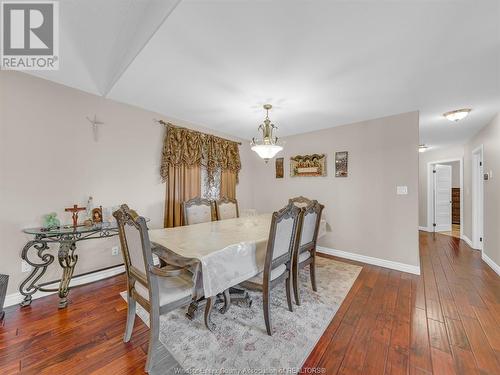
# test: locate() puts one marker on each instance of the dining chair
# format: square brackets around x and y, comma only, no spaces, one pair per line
[197,210]
[157,290]
[306,253]
[226,208]
[300,201]
[282,246]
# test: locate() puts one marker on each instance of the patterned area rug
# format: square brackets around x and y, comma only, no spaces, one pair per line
[240,342]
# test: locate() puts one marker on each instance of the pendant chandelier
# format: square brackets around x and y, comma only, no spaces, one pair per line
[268,146]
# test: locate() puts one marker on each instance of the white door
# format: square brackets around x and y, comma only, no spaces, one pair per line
[477,200]
[442,198]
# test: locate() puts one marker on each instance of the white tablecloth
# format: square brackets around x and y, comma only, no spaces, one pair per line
[229,251]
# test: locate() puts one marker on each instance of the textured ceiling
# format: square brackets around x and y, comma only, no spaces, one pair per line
[320,63]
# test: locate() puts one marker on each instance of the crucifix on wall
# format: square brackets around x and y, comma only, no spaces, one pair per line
[95,123]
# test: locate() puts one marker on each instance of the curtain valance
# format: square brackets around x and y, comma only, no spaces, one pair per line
[186,147]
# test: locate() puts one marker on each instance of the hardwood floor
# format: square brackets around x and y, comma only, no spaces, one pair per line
[446,321]
[455,231]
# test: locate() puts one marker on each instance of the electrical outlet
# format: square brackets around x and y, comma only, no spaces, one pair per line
[25,267]
[402,190]
[115,250]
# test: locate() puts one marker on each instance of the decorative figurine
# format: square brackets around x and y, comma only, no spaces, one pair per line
[50,221]
[97,215]
[75,209]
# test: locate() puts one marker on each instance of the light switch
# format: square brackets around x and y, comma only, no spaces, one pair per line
[402,190]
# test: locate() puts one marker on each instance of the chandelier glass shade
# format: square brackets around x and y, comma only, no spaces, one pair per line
[268,146]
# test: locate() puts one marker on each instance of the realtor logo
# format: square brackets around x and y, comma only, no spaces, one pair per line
[30,35]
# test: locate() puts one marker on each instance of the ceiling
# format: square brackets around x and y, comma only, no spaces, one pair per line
[320,63]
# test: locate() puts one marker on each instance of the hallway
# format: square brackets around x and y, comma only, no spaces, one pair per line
[447,321]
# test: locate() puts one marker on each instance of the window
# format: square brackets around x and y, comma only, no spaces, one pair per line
[210,189]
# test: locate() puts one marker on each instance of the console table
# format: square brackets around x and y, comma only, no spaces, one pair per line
[34,253]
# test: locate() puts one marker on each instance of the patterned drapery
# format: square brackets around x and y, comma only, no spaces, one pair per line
[192,148]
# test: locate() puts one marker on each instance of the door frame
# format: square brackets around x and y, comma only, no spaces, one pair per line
[477,187]
[430,193]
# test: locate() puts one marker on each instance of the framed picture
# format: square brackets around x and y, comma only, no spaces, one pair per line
[97,215]
[279,168]
[341,163]
[308,165]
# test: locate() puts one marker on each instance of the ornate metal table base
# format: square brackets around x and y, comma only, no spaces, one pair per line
[35,254]
[67,260]
[29,285]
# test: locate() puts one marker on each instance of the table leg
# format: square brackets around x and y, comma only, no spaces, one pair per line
[67,260]
[231,295]
[208,312]
[29,286]
[193,307]
[226,299]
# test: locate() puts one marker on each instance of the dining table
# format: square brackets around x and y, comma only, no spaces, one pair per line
[220,254]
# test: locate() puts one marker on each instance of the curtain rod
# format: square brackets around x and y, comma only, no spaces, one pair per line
[161,122]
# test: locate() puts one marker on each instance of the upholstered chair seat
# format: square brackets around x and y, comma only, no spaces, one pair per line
[197,210]
[304,256]
[226,208]
[282,246]
[170,288]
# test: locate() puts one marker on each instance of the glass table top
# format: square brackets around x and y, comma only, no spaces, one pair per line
[64,229]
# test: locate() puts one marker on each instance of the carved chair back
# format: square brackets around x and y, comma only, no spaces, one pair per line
[227,208]
[310,226]
[284,237]
[300,201]
[197,210]
[137,256]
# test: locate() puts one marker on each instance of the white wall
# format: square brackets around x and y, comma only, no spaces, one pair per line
[364,213]
[489,137]
[49,161]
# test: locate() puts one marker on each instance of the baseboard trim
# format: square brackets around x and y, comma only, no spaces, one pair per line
[371,260]
[424,229]
[495,267]
[467,241]
[16,298]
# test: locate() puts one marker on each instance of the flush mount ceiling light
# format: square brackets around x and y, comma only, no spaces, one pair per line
[268,146]
[422,148]
[457,114]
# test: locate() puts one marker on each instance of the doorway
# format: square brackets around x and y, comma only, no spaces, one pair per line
[477,198]
[445,197]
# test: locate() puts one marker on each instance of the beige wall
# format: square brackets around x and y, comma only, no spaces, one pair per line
[365,214]
[48,161]
[489,137]
[443,154]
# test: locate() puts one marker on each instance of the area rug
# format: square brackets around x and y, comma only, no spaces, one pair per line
[240,343]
